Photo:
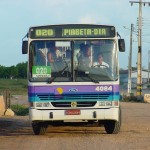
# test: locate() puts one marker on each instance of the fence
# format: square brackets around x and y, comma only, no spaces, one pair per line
[10,97]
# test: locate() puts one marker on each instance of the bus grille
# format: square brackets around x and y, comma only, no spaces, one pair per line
[72,97]
[68,104]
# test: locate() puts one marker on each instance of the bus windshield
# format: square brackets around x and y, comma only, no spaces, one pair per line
[73,61]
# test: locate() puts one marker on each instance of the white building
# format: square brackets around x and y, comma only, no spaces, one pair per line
[144,76]
[124,78]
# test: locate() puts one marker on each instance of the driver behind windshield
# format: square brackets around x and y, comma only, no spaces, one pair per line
[100,63]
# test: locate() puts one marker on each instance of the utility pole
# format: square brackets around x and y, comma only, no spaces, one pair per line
[130,63]
[139,57]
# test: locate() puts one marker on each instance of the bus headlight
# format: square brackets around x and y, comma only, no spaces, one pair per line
[105,103]
[43,104]
[46,104]
[108,103]
[38,104]
[101,103]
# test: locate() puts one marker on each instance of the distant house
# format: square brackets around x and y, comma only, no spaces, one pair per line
[124,78]
[144,76]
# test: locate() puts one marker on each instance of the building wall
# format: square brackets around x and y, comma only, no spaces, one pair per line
[124,78]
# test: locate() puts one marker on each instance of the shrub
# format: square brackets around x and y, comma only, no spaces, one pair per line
[130,98]
[20,110]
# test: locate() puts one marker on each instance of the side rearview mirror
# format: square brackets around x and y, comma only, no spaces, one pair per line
[24,47]
[121,43]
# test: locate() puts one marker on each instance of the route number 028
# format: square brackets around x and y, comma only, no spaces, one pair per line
[103,88]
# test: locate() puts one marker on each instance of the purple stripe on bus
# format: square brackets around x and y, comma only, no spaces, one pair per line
[71,88]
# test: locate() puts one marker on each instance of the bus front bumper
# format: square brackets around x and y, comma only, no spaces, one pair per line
[82,114]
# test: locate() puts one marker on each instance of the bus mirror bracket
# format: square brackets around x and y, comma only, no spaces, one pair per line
[24,47]
[121,43]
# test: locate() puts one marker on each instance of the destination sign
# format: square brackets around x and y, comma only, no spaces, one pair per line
[72,31]
[85,32]
[44,32]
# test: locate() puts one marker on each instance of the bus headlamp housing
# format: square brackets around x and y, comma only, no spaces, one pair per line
[42,104]
[108,103]
[38,104]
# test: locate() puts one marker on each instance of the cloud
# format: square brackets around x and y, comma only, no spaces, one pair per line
[87,19]
[94,19]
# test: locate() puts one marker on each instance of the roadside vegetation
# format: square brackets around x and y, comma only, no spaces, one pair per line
[13,79]
[14,72]
[20,110]
[131,98]
[13,86]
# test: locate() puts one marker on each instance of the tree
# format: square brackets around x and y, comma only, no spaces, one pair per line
[13,72]
[22,70]
[2,69]
[18,71]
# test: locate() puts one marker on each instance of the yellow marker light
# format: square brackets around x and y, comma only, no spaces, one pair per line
[60,90]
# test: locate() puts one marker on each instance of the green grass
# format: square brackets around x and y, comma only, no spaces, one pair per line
[15,86]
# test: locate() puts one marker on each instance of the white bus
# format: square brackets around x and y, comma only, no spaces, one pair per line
[67,80]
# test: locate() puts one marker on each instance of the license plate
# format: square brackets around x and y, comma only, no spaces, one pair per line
[73,112]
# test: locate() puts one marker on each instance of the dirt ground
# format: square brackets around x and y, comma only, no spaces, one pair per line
[16,133]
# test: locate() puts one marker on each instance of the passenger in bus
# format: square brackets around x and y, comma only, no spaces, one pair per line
[53,53]
[85,59]
[68,54]
[81,50]
[100,63]
[41,54]
[54,57]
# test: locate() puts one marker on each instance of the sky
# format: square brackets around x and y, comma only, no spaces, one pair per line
[16,16]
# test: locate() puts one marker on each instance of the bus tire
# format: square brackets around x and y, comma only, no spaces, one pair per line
[39,128]
[112,126]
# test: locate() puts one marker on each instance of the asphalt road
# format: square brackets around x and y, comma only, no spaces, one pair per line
[16,133]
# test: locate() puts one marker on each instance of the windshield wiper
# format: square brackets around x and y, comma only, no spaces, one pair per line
[59,72]
[85,74]
[93,80]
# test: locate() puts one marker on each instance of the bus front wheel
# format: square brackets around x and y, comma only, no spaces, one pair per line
[112,126]
[39,128]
